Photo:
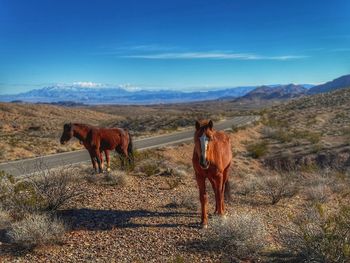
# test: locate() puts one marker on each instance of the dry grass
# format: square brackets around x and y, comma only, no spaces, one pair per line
[241,235]
[5,218]
[35,230]
[318,236]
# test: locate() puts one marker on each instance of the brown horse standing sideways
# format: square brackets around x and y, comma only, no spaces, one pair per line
[97,140]
[211,159]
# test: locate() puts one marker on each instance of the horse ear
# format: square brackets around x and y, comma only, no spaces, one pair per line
[210,124]
[198,125]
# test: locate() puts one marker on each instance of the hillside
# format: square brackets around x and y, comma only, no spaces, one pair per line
[310,130]
[338,83]
[280,92]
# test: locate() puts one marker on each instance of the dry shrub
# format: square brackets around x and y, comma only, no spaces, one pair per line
[317,193]
[246,186]
[5,218]
[320,185]
[116,178]
[277,185]
[241,235]
[46,190]
[148,168]
[56,187]
[35,230]
[317,236]
[174,175]
[186,200]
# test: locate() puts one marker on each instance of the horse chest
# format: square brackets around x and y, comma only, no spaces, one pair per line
[210,172]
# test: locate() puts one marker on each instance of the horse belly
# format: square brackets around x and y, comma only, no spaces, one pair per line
[107,145]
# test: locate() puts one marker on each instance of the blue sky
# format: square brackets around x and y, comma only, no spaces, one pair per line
[172,44]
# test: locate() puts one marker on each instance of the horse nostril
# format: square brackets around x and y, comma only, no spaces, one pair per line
[203,162]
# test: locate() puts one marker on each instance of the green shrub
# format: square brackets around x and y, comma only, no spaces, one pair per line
[257,150]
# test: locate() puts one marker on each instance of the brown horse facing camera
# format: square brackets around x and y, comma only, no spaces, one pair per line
[211,159]
[97,140]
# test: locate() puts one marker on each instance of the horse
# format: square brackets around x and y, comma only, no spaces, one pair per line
[212,157]
[97,140]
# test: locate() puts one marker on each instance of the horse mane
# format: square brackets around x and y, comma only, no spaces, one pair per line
[204,124]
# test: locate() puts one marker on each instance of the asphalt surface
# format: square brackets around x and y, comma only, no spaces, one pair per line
[29,166]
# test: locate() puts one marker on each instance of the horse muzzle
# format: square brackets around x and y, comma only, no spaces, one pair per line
[204,163]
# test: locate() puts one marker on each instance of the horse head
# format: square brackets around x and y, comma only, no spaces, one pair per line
[202,137]
[67,133]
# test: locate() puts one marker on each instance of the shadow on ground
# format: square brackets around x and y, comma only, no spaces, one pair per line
[100,220]
[93,220]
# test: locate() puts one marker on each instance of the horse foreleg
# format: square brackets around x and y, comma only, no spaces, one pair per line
[203,197]
[108,161]
[101,159]
[97,154]
[219,194]
[93,160]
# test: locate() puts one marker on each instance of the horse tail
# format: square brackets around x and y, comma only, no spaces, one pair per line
[130,149]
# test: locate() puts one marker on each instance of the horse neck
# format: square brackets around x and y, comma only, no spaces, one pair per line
[80,131]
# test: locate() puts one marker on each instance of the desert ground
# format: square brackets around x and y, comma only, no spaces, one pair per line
[290,197]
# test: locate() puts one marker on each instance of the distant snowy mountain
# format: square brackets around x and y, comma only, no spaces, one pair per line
[88,93]
[118,95]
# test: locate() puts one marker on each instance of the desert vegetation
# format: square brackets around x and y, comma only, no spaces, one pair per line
[151,212]
[290,199]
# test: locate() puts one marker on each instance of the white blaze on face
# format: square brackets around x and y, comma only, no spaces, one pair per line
[204,145]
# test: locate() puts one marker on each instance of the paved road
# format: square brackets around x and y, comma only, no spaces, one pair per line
[28,166]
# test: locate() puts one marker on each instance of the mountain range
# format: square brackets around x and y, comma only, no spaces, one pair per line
[77,94]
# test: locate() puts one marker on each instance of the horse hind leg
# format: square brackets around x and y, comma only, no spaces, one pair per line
[121,156]
[226,185]
[102,163]
[108,161]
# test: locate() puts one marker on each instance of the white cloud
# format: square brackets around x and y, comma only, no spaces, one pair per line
[87,84]
[211,55]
